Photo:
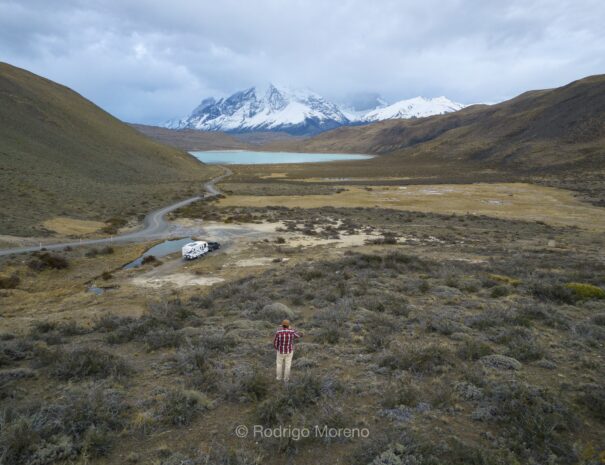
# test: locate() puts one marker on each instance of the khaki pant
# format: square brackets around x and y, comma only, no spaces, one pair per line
[281,358]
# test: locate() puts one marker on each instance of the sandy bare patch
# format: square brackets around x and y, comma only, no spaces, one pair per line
[362,179]
[70,226]
[233,229]
[259,261]
[352,240]
[274,175]
[258,227]
[176,279]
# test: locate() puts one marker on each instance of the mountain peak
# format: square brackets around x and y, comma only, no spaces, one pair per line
[300,111]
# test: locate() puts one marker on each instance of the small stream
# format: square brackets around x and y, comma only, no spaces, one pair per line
[160,250]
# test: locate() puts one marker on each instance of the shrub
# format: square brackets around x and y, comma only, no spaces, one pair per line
[533,421]
[442,325]
[407,449]
[505,279]
[592,334]
[492,317]
[599,319]
[91,253]
[550,315]
[387,238]
[473,349]
[375,342]
[15,349]
[219,342]
[395,304]
[220,454]
[418,359]
[160,316]
[192,359]
[111,322]
[162,338]
[593,398]
[330,334]
[113,225]
[402,393]
[9,282]
[522,344]
[71,328]
[253,386]
[45,260]
[284,404]
[556,293]
[149,259]
[586,291]
[195,364]
[79,422]
[274,312]
[499,291]
[180,406]
[83,362]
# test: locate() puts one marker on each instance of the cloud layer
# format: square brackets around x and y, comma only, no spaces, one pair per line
[147,61]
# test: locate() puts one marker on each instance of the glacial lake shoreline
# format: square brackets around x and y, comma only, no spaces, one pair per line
[248,157]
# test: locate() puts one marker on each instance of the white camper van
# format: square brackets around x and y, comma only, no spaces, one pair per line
[194,250]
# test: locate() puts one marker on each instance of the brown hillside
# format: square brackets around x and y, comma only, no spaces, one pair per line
[63,156]
[536,132]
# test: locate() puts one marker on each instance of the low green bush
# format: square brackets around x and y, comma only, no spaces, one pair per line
[584,291]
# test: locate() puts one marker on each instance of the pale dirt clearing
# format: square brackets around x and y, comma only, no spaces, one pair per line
[362,179]
[518,201]
[214,230]
[175,280]
[259,261]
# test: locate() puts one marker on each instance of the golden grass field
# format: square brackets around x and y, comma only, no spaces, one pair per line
[518,201]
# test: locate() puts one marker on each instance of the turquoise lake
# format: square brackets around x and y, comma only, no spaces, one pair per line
[244,157]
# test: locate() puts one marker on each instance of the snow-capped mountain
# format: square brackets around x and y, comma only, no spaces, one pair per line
[293,111]
[300,111]
[413,108]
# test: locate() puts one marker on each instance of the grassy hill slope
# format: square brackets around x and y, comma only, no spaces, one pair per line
[536,131]
[191,139]
[554,136]
[60,155]
[194,139]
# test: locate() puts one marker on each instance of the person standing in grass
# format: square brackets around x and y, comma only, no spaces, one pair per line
[283,343]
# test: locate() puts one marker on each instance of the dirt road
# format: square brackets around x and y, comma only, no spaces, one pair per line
[155,224]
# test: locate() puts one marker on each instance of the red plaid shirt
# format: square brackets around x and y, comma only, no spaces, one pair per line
[284,337]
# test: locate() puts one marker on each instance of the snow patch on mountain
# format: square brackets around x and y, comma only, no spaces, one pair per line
[300,111]
[413,108]
[295,111]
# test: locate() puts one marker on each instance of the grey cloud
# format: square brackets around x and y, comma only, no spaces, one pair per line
[149,61]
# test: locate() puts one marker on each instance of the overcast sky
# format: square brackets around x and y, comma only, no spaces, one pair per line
[148,61]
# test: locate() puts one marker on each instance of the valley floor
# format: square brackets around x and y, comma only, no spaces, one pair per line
[443,319]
